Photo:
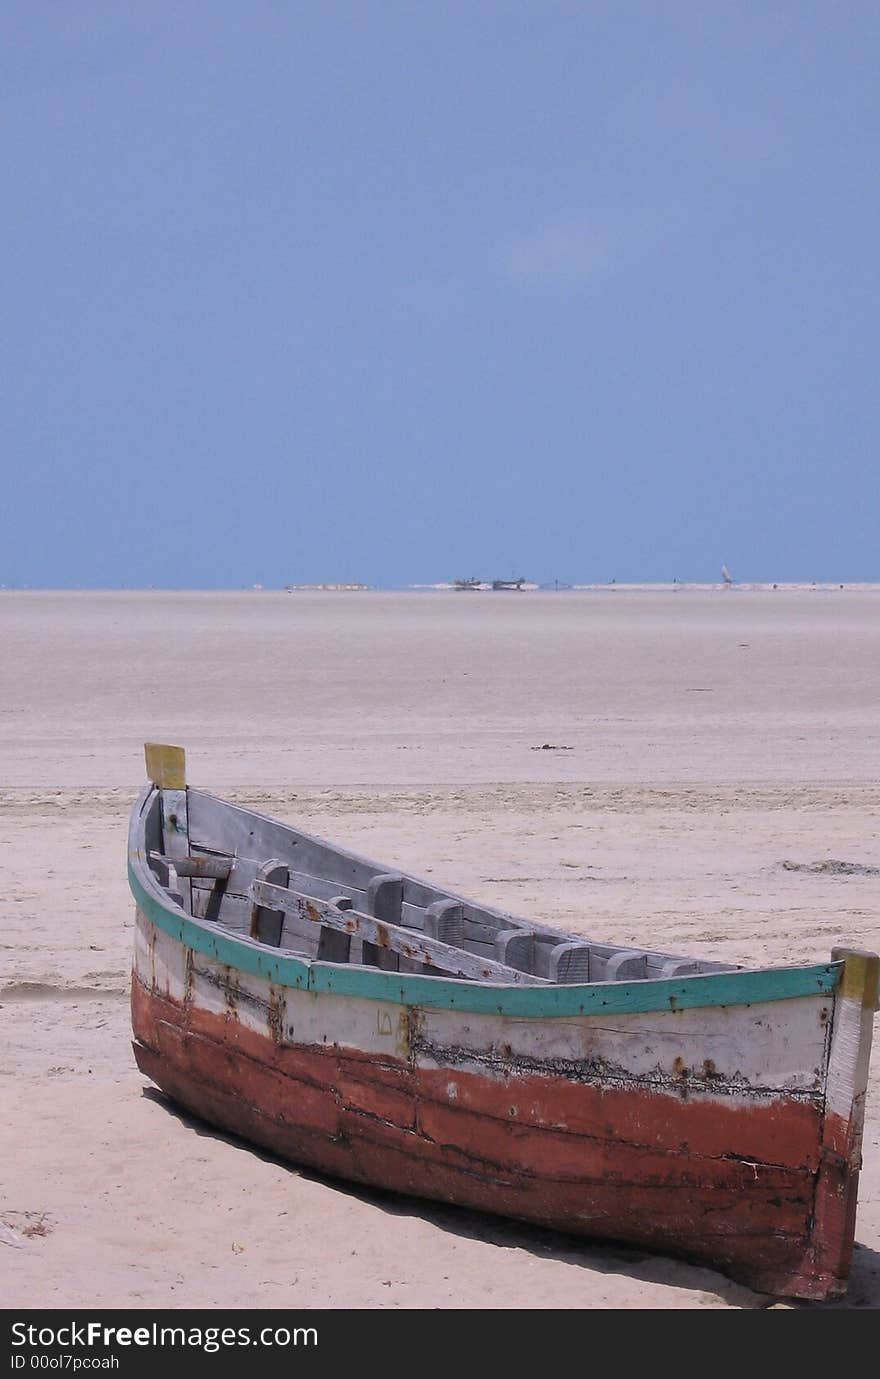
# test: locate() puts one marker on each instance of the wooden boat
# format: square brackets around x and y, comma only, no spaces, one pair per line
[384,1030]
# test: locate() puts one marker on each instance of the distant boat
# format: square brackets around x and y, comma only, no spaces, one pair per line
[518,585]
[468,584]
[726,576]
[377,1027]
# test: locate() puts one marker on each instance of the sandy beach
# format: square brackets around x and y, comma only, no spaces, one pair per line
[665,769]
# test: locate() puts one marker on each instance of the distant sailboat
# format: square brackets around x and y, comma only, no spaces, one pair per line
[726,576]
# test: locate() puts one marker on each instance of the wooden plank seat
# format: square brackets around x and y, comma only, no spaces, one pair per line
[531,954]
[206,867]
[621,964]
[444,920]
[570,963]
[384,903]
[533,951]
[376,933]
[281,915]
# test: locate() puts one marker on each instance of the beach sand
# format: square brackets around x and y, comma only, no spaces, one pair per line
[696,743]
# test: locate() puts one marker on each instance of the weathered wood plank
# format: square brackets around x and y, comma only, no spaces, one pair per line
[266,922]
[212,901]
[439,956]
[444,920]
[515,948]
[299,937]
[152,821]
[333,945]
[233,913]
[205,867]
[384,902]
[679,967]
[175,838]
[244,871]
[570,963]
[229,912]
[226,827]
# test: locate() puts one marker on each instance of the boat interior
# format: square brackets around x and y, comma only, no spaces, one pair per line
[269,882]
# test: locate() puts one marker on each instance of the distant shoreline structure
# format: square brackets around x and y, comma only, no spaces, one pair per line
[340,588]
[725,586]
[675,586]
[518,584]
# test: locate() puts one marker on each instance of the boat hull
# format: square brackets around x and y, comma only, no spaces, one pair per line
[702,1131]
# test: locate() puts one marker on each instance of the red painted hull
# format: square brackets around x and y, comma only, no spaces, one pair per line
[729,1181]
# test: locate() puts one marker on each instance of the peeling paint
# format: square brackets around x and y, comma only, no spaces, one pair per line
[411,1026]
[275,1018]
[597,1071]
[230,989]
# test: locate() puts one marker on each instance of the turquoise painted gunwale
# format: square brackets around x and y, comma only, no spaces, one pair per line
[536,1002]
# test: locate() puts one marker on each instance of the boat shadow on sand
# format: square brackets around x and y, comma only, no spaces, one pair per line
[634,1263]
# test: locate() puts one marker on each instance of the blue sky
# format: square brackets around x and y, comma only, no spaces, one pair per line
[398,292]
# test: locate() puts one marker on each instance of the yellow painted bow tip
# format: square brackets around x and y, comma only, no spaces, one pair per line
[166,765]
[861,975]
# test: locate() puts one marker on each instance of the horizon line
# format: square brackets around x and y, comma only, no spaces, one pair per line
[553,586]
